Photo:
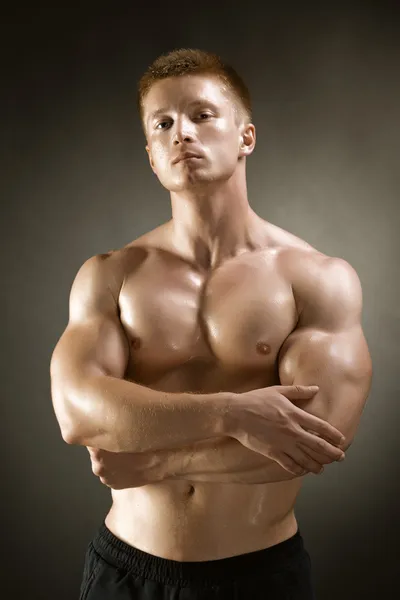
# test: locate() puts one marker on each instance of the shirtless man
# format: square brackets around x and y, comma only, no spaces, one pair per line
[187,365]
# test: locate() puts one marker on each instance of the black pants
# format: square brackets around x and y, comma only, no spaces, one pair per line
[116,570]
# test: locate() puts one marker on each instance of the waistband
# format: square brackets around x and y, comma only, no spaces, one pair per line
[202,573]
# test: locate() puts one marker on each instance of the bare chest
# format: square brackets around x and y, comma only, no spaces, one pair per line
[199,331]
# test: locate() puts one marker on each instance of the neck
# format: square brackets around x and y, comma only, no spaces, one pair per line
[214,223]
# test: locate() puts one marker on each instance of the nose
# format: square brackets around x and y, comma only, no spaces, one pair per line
[183,132]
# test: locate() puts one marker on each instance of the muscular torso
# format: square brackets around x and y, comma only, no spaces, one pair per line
[195,330]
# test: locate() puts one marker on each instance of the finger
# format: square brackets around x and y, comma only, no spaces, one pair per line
[302,458]
[323,428]
[297,392]
[287,463]
[318,444]
[321,457]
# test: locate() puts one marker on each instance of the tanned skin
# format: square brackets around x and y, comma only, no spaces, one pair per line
[186,364]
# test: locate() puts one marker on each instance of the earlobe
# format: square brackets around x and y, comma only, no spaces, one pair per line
[248,140]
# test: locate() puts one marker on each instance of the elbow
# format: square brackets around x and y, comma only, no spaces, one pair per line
[70,437]
[74,435]
[68,433]
[62,412]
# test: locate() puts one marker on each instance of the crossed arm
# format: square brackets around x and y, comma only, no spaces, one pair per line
[328,349]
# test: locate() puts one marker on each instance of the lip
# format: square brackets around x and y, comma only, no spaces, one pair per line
[184,156]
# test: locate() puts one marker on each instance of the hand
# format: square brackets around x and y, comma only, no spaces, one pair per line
[266,421]
[122,470]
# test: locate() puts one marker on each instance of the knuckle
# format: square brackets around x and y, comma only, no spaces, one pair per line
[295,468]
[292,431]
[297,433]
[282,416]
[285,462]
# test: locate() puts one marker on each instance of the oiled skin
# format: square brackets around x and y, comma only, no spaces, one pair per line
[193,331]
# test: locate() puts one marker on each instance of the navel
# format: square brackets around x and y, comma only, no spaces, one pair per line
[263,348]
[190,491]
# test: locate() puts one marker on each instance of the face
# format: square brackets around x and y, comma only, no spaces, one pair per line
[194,114]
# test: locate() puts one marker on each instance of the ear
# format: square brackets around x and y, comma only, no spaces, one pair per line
[247,140]
[150,159]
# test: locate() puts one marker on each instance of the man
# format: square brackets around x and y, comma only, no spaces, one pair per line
[190,363]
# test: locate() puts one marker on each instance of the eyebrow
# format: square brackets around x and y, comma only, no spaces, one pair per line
[156,113]
[200,102]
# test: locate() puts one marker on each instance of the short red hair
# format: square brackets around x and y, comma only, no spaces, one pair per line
[188,61]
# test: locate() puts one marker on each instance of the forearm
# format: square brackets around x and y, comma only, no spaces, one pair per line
[223,460]
[123,416]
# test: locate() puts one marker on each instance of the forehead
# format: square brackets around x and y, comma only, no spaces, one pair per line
[180,92]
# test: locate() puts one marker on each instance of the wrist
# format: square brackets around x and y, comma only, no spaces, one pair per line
[176,463]
[228,420]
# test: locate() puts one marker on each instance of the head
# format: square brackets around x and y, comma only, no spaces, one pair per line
[191,102]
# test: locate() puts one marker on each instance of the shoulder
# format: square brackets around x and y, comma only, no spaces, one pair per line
[107,271]
[304,266]
[112,268]
[321,284]
[122,261]
[327,289]
[284,240]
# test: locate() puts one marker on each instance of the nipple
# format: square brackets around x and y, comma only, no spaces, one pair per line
[263,348]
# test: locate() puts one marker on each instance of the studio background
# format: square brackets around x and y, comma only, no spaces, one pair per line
[326,100]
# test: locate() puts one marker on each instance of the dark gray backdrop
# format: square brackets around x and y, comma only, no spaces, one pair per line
[325,87]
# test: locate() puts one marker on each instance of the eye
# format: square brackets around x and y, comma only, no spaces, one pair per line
[162,123]
[203,116]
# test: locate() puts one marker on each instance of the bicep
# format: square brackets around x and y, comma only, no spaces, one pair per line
[340,364]
[97,346]
[94,342]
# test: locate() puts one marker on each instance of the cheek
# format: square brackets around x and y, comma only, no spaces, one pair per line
[160,156]
[225,139]
[227,149]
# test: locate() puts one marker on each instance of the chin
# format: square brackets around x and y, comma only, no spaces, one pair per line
[187,184]
[196,181]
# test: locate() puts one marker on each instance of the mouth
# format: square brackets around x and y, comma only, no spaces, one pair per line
[185,157]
